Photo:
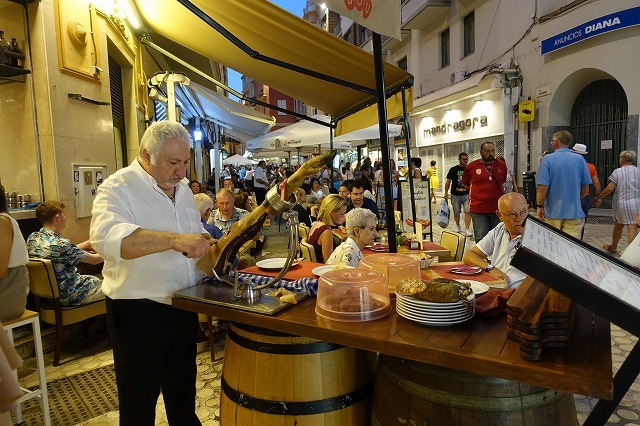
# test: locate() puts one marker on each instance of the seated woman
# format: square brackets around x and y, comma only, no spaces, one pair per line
[331,213]
[244,201]
[300,207]
[361,228]
[14,277]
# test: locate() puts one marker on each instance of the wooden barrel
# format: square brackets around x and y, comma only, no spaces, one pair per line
[271,378]
[412,393]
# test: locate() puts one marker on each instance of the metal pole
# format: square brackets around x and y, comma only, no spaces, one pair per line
[408,148]
[384,141]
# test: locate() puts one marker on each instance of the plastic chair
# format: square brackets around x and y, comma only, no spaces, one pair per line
[308,251]
[30,317]
[44,287]
[454,242]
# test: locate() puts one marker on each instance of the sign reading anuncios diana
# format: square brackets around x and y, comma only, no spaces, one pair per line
[614,21]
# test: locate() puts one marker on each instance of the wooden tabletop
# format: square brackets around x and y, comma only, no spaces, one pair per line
[478,346]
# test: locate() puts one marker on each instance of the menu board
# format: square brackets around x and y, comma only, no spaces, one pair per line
[420,200]
[602,283]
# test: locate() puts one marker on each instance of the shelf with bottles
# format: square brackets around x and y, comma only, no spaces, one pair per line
[10,74]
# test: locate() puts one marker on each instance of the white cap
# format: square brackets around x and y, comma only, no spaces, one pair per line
[580,149]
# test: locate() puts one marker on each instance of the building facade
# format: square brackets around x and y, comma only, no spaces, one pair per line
[474,62]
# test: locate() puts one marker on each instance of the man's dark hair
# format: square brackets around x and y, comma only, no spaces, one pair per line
[355,183]
[485,143]
[45,212]
[417,161]
[262,163]
[462,154]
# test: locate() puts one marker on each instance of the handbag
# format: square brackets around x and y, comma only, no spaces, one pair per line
[442,217]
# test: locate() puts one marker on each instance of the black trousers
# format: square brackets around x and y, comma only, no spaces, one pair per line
[154,349]
[261,194]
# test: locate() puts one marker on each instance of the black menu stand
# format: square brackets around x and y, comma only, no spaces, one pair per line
[598,281]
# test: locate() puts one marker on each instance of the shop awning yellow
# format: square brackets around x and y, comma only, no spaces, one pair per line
[277,34]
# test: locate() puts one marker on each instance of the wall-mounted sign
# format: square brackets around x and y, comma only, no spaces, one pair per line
[455,126]
[526,111]
[604,24]
[606,144]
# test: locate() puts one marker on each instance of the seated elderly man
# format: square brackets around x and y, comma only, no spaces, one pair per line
[227,214]
[75,289]
[502,241]
[204,203]
[361,230]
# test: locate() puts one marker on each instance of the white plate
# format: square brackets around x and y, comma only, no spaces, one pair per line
[319,270]
[466,270]
[434,317]
[477,286]
[413,301]
[463,309]
[435,323]
[276,263]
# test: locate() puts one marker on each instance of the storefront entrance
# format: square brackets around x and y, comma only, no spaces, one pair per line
[599,115]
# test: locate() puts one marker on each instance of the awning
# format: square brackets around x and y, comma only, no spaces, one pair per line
[241,121]
[469,83]
[306,133]
[278,34]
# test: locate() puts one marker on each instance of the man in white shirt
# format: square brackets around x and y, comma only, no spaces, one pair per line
[146,226]
[502,241]
[260,183]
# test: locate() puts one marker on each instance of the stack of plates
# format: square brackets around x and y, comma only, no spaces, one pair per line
[436,314]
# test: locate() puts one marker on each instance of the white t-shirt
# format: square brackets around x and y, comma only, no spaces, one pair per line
[260,174]
[19,255]
[497,245]
[131,199]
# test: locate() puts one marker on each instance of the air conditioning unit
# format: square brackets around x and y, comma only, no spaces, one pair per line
[457,76]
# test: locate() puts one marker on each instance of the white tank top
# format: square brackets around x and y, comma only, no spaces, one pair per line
[19,255]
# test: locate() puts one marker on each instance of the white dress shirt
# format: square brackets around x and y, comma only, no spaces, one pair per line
[260,174]
[131,199]
[347,253]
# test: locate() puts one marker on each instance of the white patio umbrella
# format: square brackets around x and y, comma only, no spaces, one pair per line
[237,159]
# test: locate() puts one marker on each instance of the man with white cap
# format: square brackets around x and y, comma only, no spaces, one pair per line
[586,201]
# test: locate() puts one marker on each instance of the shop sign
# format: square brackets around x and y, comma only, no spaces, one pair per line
[456,126]
[604,24]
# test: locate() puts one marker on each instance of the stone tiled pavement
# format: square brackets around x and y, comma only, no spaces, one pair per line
[627,413]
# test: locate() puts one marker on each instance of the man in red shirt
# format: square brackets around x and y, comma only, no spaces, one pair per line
[484,178]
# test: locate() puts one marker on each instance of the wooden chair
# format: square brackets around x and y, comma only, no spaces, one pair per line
[308,251]
[44,287]
[303,231]
[454,242]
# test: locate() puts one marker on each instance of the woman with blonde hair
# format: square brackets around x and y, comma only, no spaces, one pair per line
[331,213]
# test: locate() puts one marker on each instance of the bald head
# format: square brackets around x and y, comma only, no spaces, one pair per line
[513,201]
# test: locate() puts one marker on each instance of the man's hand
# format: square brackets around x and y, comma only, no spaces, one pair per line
[192,245]
[446,197]
[541,213]
[498,274]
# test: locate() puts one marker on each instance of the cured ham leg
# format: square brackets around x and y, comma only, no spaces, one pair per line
[221,254]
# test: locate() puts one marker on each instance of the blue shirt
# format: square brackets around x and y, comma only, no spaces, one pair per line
[64,256]
[564,173]
[212,229]
[366,204]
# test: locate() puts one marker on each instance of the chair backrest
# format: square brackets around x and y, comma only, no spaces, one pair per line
[303,231]
[42,279]
[454,242]
[307,250]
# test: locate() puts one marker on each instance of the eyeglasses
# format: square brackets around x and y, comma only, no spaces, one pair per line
[514,215]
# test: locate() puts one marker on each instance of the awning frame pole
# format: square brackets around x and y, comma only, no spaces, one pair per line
[257,55]
[235,93]
[408,148]
[384,142]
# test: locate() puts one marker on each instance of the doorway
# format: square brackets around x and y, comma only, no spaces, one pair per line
[599,121]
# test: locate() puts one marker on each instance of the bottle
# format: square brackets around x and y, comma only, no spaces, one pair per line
[16,61]
[4,46]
